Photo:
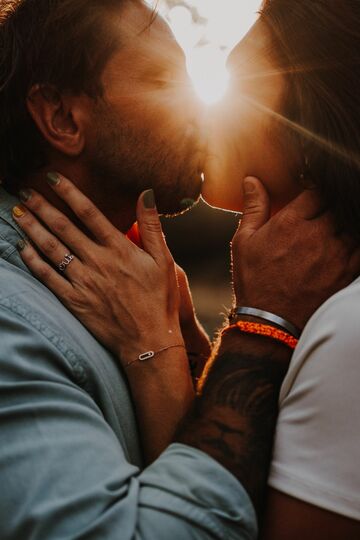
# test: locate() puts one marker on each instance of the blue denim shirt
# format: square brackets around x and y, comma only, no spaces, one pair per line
[70,460]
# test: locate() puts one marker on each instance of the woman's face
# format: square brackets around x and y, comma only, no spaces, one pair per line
[245,135]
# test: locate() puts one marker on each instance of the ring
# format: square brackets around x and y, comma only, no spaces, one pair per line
[65,262]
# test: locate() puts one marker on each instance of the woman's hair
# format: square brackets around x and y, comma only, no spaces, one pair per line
[316,44]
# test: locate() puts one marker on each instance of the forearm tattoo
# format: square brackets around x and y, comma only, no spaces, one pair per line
[233,418]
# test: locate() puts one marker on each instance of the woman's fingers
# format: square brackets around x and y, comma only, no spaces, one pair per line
[59,224]
[151,234]
[54,250]
[43,271]
[84,209]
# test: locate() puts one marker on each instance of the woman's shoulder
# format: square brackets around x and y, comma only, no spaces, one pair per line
[318,433]
[331,340]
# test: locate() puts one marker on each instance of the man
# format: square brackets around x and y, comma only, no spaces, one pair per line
[70,460]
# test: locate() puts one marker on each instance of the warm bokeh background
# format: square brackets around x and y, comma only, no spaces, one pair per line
[200,240]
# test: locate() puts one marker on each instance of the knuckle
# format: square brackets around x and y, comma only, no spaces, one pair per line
[87,281]
[27,221]
[36,203]
[107,237]
[253,207]
[65,187]
[43,272]
[60,224]
[50,245]
[29,255]
[89,211]
[154,226]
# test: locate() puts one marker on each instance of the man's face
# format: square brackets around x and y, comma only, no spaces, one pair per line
[145,131]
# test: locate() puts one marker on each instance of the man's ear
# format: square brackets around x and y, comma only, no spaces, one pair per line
[60,118]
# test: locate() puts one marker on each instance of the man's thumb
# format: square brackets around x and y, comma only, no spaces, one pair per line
[256,206]
[150,230]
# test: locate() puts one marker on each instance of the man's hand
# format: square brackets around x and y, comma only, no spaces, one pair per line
[291,263]
[288,265]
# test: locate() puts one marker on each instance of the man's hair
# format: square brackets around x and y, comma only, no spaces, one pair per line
[316,43]
[61,44]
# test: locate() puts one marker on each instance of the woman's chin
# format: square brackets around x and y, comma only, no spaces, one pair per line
[215,197]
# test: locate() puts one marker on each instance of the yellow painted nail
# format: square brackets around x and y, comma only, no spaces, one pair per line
[19,211]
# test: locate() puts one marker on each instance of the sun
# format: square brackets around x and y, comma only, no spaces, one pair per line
[207,31]
[207,69]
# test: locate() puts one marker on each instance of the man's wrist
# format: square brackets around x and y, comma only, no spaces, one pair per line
[236,342]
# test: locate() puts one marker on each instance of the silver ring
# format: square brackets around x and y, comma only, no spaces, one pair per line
[65,262]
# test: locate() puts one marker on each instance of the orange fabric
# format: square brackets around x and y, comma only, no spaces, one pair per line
[134,235]
[266,331]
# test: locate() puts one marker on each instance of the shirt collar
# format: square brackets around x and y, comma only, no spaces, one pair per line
[10,232]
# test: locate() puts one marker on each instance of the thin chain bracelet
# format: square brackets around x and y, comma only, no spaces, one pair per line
[151,354]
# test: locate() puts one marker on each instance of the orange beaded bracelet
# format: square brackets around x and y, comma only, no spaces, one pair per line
[264,330]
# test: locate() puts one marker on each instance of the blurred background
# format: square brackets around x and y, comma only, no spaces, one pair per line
[200,240]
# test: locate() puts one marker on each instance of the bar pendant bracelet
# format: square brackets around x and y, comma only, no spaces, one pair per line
[266,316]
[151,354]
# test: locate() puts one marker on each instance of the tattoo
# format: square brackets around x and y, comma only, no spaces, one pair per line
[233,418]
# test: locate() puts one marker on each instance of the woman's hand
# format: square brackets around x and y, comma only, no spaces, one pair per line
[196,339]
[126,296]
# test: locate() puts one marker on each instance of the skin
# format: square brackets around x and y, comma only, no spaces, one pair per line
[78,150]
[244,137]
[143,133]
[233,418]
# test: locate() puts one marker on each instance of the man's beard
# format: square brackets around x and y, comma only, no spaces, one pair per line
[126,161]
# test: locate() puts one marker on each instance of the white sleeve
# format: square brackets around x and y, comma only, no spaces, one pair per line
[317,446]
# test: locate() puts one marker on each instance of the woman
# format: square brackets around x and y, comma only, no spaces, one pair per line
[291,119]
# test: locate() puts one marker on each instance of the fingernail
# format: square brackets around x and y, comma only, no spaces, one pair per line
[19,211]
[21,245]
[25,195]
[53,179]
[249,186]
[149,199]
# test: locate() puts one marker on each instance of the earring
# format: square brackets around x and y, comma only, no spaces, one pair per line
[305,175]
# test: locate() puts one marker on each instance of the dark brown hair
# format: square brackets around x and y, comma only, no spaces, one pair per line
[317,45]
[63,44]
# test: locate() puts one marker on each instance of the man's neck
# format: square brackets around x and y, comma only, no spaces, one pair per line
[120,211]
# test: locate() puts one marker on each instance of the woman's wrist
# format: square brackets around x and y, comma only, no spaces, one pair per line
[152,345]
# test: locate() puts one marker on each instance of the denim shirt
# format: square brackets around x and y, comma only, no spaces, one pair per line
[70,459]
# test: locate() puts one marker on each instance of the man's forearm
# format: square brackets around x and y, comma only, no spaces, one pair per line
[234,416]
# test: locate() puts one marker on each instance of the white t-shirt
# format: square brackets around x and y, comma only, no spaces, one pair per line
[317,445]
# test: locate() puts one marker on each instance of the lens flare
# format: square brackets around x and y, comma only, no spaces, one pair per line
[207,69]
[207,30]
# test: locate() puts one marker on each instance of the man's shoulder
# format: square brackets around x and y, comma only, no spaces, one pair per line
[28,308]
[40,339]
[25,300]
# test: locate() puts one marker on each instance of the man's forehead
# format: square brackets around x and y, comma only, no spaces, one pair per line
[138,21]
[145,38]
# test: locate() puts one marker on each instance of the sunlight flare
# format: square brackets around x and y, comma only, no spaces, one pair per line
[207,30]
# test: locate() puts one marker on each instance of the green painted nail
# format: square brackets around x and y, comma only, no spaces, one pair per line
[25,195]
[53,179]
[21,245]
[149,199]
